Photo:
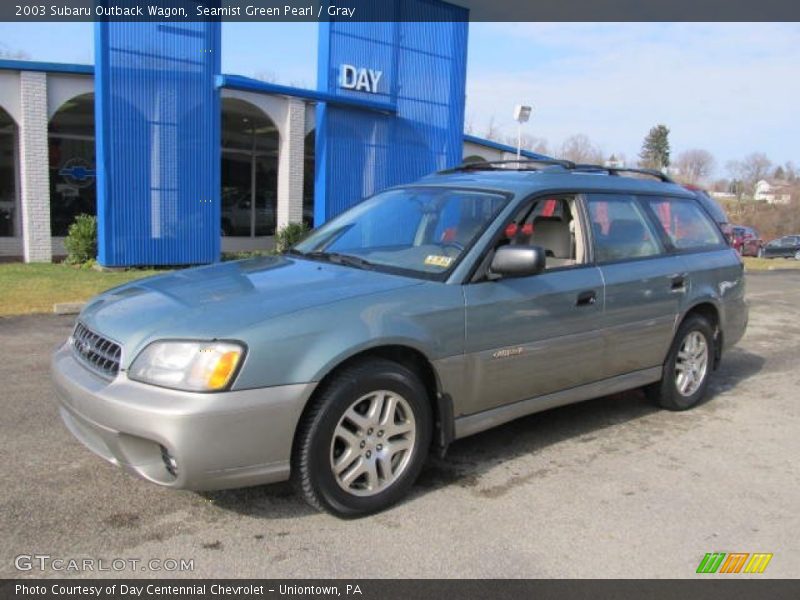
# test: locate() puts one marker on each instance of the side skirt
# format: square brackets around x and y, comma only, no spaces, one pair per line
[487,419]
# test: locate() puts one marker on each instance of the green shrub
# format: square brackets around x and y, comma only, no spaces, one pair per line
[81,240]
[288,236]
[242,254]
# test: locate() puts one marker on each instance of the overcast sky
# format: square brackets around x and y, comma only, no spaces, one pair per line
[729,88]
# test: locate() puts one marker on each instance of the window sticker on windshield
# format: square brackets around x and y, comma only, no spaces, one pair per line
[438,261]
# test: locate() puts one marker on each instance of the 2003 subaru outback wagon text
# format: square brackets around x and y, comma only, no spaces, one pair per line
[424,314]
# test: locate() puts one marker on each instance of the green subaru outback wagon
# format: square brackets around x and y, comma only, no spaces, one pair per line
[424,314]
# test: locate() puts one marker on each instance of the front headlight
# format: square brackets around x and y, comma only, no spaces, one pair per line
[191,366]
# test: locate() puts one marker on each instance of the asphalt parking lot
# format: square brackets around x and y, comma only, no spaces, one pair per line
[607,488]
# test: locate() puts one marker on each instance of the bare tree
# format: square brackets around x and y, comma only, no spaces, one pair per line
[531,143]
[721,185]
[791,172]
[494,133]
[734,168]
[746,173]
[580,149]
[695,165]
[492,130]
[266,76]
[754,168]
[527,142]
[469,124]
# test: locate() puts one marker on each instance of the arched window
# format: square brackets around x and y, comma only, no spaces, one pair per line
[249,173]
[73,189]
[8,175]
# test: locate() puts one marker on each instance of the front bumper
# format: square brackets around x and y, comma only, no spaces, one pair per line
[217,440]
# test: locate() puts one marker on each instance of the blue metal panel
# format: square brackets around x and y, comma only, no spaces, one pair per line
[423,67]
[158,143]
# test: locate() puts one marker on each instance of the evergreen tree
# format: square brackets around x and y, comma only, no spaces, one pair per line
[655,149]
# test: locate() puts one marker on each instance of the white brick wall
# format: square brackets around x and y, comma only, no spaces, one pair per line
[33,172]
[290,164]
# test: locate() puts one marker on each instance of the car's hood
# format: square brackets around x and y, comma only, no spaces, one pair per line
[224,300]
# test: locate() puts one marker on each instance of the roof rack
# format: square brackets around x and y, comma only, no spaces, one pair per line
[531,164]
[615,171]
[496,165]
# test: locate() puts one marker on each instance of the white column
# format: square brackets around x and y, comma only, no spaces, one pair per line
[290,164]
[33,168]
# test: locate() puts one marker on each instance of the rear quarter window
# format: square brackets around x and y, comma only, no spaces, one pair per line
[685,224]
[712,207]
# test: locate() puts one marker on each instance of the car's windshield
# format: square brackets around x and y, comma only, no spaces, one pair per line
[420,231]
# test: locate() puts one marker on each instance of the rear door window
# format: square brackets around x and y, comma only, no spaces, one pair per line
[685,224]
[620,229]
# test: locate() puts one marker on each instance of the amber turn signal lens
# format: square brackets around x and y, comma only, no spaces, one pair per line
[223,370]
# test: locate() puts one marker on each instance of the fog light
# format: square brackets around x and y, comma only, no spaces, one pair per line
[170,464]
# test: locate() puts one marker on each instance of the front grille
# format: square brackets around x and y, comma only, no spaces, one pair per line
[96,352]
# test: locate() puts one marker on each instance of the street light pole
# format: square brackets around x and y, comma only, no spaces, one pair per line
[521,115]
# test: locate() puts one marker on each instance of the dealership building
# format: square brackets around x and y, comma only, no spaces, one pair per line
[181,162]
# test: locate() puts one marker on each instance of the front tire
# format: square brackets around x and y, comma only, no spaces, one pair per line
[688,366]
[363,440]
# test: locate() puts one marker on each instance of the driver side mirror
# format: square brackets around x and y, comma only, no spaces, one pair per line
[518,261]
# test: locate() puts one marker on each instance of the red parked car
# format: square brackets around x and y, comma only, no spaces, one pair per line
[745,240]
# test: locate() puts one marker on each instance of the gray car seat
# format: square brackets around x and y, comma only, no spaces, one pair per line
[553,234]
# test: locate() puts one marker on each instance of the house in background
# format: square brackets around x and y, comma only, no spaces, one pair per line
[773,191]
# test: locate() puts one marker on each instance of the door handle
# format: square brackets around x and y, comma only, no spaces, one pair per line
[587,298]
[678,282]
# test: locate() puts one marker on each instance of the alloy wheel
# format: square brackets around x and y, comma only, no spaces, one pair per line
[373,443]
[691,363]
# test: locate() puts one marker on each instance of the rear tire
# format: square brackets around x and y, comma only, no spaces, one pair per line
[364,439]
[688,366]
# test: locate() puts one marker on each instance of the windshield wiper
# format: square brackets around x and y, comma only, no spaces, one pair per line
[337,258]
